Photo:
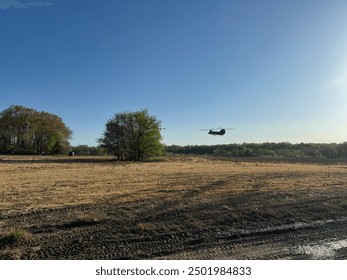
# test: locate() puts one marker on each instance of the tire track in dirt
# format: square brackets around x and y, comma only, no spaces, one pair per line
[215,235]
[273,243]
[277,243]
[96,244]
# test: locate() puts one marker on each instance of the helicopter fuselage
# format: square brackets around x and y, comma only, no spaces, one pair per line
[220,132]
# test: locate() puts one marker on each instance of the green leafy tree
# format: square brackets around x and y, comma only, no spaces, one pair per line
[133,136]
[27,131]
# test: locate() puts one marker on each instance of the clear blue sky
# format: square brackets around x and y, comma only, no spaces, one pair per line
[273,70]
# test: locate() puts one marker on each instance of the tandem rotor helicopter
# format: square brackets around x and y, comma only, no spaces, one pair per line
[217,131]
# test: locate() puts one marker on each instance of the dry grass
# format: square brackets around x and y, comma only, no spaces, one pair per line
[150,200]
[43,182]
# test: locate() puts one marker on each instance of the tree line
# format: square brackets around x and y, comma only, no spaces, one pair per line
[85,150]
[27,131]
[283,149]
[131,136]
[127,136]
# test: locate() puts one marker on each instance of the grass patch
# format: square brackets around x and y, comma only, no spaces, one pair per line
[13,237]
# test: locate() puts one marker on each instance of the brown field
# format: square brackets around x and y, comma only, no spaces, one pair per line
[172,208]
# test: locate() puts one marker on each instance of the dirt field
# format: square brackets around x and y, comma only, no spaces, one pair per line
[173,208]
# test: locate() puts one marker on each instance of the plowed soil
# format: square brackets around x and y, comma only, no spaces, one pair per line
[172,208]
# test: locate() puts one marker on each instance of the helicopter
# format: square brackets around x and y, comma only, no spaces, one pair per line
[219,131]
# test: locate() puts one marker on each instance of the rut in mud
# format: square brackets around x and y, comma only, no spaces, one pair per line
[241,214]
